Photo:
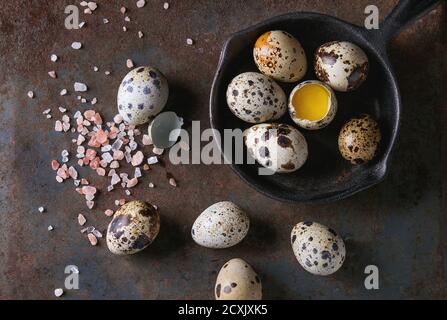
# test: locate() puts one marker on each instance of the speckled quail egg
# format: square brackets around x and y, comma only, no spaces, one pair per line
[342,65]
[280,55]
[134,226]
[318,249]
[359,139]
[221,225]
[237,281]
[278,147]
[143,93]
[312,105]
[255,98]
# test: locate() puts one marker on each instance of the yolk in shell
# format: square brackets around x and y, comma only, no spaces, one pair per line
[311,102]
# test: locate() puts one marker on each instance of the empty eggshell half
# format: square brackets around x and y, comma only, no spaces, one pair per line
[312,105]
[164,130]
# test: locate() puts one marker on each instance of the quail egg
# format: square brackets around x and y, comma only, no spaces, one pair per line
[312,105]
[318,249]
[134,226]
[221,225]
[280,55]
[143,93]
[255,98]
[237,281]
[359,139]
[279,147]
[342,65]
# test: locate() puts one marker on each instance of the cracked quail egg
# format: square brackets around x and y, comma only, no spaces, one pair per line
[359,139]
[342,65]
[143,93]
[318,249]
[237,281]
[222,225]
[279,55]
[312,105]
[255,98]
[134,226]
[278,147]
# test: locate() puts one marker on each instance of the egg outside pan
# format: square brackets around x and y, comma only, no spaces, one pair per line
[279,55]
[318,249]
[237,281]
[342,65]
[278,147]
[142,94]
[166,125]
[221,225]
[314,124]
[359,139]
[255,98]
[134,226]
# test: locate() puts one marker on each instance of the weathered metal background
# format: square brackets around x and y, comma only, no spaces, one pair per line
[399,225]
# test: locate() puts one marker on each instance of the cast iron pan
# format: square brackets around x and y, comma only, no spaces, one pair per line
[326,176]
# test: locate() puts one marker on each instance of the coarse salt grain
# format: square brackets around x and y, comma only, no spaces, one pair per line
[108,212]
[41,209]
[92,238]
[166,6]
[152,160]
[172,182]
[123,10]
[30,94]
[63,92]
[80,87]
[52,74]
[140,34]
[58,292]
[50,228]
[141,3]
[81,219]
[76,45]
[189,42]
[53,57]
[129,63]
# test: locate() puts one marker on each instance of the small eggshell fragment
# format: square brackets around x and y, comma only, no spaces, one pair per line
[359,139]
[222,225]
[255,98]
[313,124]
[279,55]
[134,226]
[279,147]
[143,93]
[318,249]
[342,65]
[237,281]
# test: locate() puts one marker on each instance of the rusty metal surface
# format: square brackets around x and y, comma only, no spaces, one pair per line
[399,225]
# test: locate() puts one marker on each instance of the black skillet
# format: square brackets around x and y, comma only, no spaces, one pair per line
[326,176]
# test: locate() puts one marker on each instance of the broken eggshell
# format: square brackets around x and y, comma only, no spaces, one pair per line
[164,130]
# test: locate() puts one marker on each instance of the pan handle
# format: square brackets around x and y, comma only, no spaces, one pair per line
[405,12]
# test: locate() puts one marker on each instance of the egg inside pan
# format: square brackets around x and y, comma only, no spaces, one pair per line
[325,169]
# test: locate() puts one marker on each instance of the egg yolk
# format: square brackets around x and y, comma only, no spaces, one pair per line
[311,102]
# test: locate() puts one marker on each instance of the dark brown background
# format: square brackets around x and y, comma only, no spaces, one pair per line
[399,225]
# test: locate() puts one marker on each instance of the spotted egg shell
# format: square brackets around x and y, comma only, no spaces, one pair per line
[237,281]
[143,93]
[222,225]
[255,98]
[318,249]
[342,65]
[359,139]
[279,55]
[134,226]
[279,147]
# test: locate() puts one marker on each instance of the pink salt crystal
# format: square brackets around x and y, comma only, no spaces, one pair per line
[94,164]
[84,131]
[93,240]
[90,204]
[103,163]
[90,115]
[80,150]
[146,167]
[97,119]
[86,161]
[108,212]
[132,182]
[88,189]
[101,172]
[84,181]
[81,219]
[118,155]
[80,140]
[101,136]
[118,119]
[58,126]
[90,154]
[59,179]
[52,74]
[146,140]
[122,202]
[137,158]
[54,165]
[79,120]
[73,173]
[114,165]
[79,190]
[62,173]
[81,162]
[64,167]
